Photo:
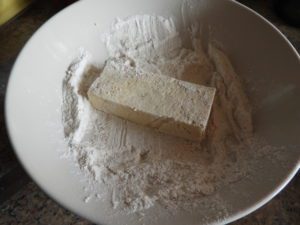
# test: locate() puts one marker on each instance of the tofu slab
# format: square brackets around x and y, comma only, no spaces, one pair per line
[164,103]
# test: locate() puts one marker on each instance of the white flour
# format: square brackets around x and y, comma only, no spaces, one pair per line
[141,167]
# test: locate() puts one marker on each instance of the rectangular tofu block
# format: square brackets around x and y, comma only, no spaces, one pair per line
[164,103]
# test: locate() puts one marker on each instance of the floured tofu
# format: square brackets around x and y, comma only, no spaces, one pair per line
[164,103]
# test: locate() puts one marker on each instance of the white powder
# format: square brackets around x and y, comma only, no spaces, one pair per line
[139,166]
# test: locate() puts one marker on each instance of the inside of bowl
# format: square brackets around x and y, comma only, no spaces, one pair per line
[259,53]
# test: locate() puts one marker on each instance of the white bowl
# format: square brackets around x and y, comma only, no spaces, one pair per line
[259,52]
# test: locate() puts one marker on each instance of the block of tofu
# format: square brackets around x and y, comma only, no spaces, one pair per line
[164,103]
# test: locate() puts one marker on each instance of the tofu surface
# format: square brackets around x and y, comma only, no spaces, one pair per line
[164,103]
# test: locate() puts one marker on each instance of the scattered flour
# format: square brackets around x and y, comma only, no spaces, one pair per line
[139,166]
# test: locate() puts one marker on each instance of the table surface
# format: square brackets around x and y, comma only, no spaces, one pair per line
[23,202]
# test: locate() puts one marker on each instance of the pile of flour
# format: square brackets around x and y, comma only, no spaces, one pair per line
[139,166]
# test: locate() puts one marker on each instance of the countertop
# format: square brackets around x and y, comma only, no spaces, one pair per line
[23,202]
